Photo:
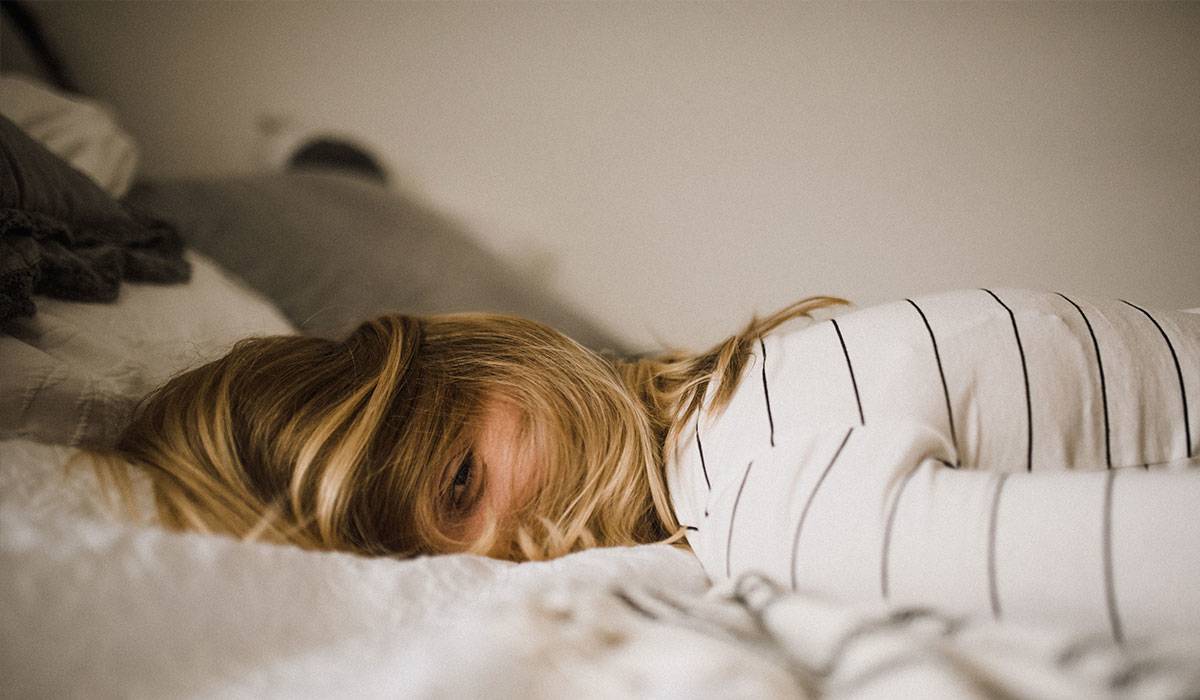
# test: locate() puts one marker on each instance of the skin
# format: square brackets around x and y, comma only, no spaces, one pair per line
[507,472]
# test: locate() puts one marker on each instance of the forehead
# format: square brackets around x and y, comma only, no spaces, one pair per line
[501,426]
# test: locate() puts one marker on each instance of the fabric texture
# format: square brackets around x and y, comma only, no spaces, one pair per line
[63,237]
[73,372]
[105,607]
[1007,454]
[333,249]
[109,608]
[82,132]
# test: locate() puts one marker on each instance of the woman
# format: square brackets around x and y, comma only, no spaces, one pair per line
[500,436]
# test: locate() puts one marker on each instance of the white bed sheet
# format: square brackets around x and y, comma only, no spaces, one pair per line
[99,607]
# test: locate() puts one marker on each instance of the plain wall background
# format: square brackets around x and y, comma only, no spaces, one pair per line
[673,168]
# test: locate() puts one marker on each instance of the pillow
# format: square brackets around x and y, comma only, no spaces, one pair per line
[80,131]
[62,236]
[73,372]
[332,249]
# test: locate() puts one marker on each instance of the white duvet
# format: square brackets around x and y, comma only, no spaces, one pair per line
[92,605]
[95,606]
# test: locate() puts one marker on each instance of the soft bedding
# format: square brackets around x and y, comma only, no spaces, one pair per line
[82,132]
[100,603]
[73,372]
[62,236]
[102,607]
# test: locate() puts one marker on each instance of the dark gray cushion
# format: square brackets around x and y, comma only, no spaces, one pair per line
[63,236]
[332,249]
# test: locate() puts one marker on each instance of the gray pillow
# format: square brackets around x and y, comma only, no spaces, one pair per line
[332,249]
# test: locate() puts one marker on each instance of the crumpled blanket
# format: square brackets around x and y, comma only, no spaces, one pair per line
[64,237]
[103,606]
[40,254]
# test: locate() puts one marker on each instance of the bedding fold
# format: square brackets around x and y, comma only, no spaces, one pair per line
[99,606]
[62,236]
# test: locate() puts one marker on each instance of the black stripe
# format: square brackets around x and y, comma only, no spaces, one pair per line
[732,515]
[887,536]
[766,392]
[1110,593]
[1103,385]
[700,447]
[993,591]
[1025,374]
[849,366]
[1187,429]
[808,504]
[942,375]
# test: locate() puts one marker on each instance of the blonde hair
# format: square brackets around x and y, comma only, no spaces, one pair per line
[353,445]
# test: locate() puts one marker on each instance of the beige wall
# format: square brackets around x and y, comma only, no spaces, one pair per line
[675,167]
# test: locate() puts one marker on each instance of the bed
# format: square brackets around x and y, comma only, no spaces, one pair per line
[98,605]
[98,602]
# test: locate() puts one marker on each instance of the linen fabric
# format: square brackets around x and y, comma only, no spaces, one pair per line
[83,132]
[73,373]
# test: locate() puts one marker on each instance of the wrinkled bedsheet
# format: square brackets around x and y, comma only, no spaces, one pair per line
[97,606]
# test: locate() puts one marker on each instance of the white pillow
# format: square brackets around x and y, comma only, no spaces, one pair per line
[73,371]
[82,132]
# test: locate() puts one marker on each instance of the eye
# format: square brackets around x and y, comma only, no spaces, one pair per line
[460,487]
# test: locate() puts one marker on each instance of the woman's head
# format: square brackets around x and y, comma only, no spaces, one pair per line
[465,432]
[483,433]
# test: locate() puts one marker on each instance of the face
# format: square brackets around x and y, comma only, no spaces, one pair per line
[499,473]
